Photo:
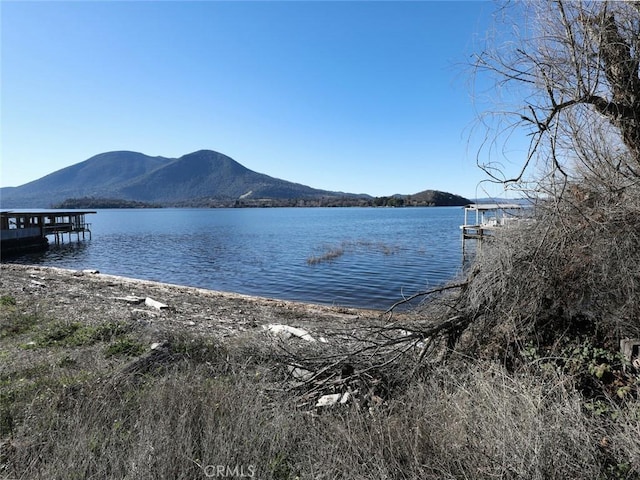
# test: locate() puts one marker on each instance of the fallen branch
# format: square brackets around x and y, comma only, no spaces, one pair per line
[422,294]
[362,366]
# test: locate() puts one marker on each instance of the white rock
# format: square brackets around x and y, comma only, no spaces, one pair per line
[286,331]
[150,302]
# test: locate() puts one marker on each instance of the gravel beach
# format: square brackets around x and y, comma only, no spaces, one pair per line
[87,296]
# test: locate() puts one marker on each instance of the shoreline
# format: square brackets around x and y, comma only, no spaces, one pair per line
[87,297]
[199,290]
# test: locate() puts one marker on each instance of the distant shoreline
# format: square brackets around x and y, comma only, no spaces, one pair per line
[399,201]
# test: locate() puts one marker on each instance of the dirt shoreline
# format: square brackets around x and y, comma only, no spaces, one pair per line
[91,297]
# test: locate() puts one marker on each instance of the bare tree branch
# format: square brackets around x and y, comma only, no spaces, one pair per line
[583,61]
[423,294]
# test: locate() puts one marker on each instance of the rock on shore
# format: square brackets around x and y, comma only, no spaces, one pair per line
[87,296]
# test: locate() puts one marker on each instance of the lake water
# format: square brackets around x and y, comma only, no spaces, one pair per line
[359,257]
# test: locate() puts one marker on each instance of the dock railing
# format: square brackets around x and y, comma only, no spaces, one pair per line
[481,220]
[32,227]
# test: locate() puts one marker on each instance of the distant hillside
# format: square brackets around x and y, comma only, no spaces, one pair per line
[99,176]
[426,198]
[435,197]
[128,176]
[200,179]
[92,203]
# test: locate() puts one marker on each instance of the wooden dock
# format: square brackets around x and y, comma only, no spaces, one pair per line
[482,219]
[24,230]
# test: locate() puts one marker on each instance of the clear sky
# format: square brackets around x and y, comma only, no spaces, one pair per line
[362,97]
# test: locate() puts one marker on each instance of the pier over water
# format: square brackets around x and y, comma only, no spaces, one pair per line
[23,230]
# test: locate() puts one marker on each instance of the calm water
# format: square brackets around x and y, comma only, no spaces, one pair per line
[360,257]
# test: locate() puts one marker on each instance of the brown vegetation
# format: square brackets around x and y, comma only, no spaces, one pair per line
[333,252]
[472,384]
[513,372]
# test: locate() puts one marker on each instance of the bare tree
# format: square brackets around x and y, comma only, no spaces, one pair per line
[576,272]
[575,65]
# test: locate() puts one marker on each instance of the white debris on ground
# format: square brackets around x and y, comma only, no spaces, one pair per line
[300,373]
[150,302]
[286,331]
[333,399]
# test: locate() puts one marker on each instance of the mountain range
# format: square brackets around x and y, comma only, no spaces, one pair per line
[202,178]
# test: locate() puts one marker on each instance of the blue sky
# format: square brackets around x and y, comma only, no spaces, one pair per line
[362,97]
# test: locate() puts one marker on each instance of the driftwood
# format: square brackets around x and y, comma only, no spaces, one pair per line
[130,299]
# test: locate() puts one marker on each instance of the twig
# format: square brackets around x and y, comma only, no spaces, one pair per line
[422,294]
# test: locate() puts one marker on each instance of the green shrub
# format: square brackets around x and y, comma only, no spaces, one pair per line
[76,334]
[7,301]
[16,323]
[125,346]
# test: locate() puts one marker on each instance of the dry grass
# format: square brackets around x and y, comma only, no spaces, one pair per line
[331,253]
[203,405]
[512,374]
[575,272]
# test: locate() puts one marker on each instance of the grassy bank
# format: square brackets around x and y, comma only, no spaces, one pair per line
[93,400]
